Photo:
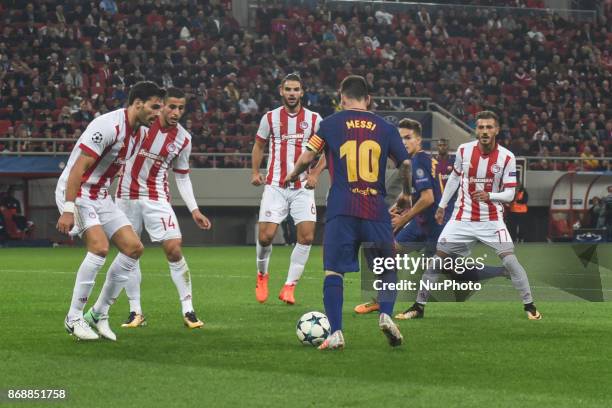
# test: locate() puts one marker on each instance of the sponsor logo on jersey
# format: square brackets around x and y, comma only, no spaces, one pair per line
[150,155]
[293,136]
[365,192]
[512,174]
[481,179]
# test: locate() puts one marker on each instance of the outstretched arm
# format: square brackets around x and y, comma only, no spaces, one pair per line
[315,172]
[301,165]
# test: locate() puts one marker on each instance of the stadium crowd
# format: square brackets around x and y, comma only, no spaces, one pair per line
[64,62]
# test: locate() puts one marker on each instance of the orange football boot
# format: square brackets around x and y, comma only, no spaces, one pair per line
[366,308]
[287,294]
[261,290]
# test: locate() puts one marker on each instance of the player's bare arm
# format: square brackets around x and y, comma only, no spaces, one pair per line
[300,166]
[404,199]
[257,179]
[426,200]
[66,220]
[315,173]
[201,220]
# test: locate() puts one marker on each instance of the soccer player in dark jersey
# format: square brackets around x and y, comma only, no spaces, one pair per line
[357,144]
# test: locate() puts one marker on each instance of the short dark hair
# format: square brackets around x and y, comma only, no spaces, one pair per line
[354,87]
[144,90]
[443,140]
[488,115]
[294,76]
[174,93]
[411,124]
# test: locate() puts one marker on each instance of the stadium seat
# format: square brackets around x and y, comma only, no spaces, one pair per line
[61,102]
[4,125]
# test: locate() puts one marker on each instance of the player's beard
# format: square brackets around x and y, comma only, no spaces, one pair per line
[490,141]
[290,106]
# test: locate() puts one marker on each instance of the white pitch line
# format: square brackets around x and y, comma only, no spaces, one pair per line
[145,274]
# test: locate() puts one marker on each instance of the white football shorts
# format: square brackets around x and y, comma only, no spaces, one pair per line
[277,202]
[88,213]
[157,217]
[458,237]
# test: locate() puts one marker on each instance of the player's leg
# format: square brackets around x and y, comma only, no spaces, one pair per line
[473,273]
[263,247]
[340,255]
[97,250]
[87,225]
[380,236]
[134,212]
[179,270]
[297,262]
[495,235]
[273,210]
[117,226]
[408,239]
[333,298]
[454,240]
[304,213]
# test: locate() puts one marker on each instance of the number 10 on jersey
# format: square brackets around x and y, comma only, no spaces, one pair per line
[369,155]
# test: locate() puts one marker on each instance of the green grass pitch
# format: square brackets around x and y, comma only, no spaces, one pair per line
[473,354]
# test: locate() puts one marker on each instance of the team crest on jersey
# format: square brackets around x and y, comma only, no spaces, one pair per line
[96,138]
[303,125]
[171,148]
[495,168]
[420,173]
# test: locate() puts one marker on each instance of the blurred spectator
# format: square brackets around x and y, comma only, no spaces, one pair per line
[545,73]
[608,203]
[588,164]
[109,6]
[518,215]
[597,213]
[247,104]
[8,201]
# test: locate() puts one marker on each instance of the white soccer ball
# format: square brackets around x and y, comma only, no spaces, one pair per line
[312,328]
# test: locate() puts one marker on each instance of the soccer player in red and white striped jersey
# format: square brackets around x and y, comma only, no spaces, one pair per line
[143,195]
[82,199]
[286,130]
[485,173]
